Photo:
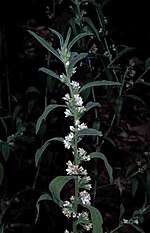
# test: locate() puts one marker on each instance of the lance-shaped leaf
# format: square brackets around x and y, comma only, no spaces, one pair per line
[45,44]
[50,73]
[89,132]
[96,219]
[92,26]
[5,150]
[97,154]
[78,37]
[98,83]
[65,45]
[40,151]
[4,125]
[59,36]
[47,110]
[43,197]
[90,105]
[56,185]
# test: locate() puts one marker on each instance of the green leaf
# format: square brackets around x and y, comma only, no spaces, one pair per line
[56,186]
[43,197]
[89,132]
[135,183]
[32,90]
[76,59]
[96,218]
[121,53]
[5,150]
[40,151]
[147,63]
[59,36]
[135,97]
[47,110]
[97,154]
[137,228]
[45,44]
[78,37]
[92,26]
[98,83]
[1,173]
[50,73]
[65,45]
[4,125]
[91,105]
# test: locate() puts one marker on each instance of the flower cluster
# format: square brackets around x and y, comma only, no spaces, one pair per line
[75,109]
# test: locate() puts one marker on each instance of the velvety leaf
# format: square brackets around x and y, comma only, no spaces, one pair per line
[74,61]
[43,197]
[5,150]
[57,185]
[59,36]
[89,132]
[50,73]
[40,151]
[91,105]
[78,37]
[47,110]
[109,169]
[45,44]
[98,83]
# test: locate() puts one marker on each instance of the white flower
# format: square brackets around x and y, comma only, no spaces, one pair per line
[78,100]
[72,169]
[68,113]
[75,85]
[83,155]
[85,197]
[81,109]
[88,227]
[66,97]
[125,221]
[136,221]
[67,64]
[72,128]
[82,126]
[68,139]
[67,209]
[77,122]
[66,231]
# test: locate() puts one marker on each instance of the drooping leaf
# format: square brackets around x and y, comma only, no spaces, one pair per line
[91,105]
[1,173]
[40,151]
[43,197]
[109,169]
[76,59]
[56,185]
[5,150]
[89,132]
[50,73]
[59,36]
[4,125]
[92,26]
[47,110]
[98,83]
[45,44]
[96,218]
[78,37]
[32,90]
